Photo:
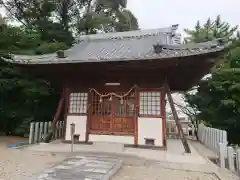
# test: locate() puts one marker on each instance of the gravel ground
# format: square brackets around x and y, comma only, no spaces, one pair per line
[19,164]
[16,164]
[156,173]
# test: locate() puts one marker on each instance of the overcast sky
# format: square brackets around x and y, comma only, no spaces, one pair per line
[160,13]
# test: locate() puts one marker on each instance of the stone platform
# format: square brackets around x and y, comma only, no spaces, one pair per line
[82,168]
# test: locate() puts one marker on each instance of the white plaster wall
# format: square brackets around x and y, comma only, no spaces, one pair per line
[111,138]
[150,128]
[80,126]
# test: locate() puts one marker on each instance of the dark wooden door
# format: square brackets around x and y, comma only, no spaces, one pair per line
[112,115]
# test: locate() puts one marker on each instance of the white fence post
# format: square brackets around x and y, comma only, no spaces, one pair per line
[238,160]
[41,130]
[224,136]
[38,129]
[31,133]
[205,135]
[45,131]
[49,126]
[208,137]
[36,132]
[222,148]
[62,129]
[215,140]
[56,130]
[230,153]
[211,137]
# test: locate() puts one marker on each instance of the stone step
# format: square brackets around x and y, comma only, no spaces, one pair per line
[108,146]
[81,168]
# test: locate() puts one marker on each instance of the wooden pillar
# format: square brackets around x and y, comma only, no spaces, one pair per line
[67,104]
[178,124]
[58,113]
[137,96]
[89,103]
[164,123]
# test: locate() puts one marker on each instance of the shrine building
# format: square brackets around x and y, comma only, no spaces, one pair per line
[113,85]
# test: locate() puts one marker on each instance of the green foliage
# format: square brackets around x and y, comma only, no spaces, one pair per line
[104,16]
[210,30]
[14,38]
[47,26]
[55,20]
[127,21]
[218,97]
[50,48]
[23,99]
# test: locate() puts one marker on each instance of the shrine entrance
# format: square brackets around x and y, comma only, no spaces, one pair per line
[112,113]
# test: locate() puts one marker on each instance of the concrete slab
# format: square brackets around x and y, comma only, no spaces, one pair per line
[111,147]
[82,168]
[175,152]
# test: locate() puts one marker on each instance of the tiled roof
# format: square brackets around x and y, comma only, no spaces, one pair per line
[114,35]
[124,46]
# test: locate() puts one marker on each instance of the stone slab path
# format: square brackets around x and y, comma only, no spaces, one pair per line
[82,168]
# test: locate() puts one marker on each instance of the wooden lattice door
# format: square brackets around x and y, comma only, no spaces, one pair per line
[112,115]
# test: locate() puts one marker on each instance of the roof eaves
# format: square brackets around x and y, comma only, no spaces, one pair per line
[168,54]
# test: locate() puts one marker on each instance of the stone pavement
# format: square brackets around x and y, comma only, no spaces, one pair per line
[82,168]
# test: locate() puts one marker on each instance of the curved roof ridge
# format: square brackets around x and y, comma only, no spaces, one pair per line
[208,44]
[126,34]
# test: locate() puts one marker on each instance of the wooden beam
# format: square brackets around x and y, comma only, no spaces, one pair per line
[58,113]
[67,104]
[164,124]
[178,124]
[136,115]
[88,116]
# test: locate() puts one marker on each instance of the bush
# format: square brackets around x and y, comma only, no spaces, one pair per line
[50,48]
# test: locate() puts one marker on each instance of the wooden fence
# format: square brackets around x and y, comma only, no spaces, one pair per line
[216,140]
[39,129]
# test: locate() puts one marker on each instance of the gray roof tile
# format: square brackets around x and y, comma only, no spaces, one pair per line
[132,45]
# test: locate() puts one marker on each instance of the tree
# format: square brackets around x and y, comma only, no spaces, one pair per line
[38,16]
[22,98]
[46,26]
[210,30]
[217,97]
[55,19]
[103,16]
